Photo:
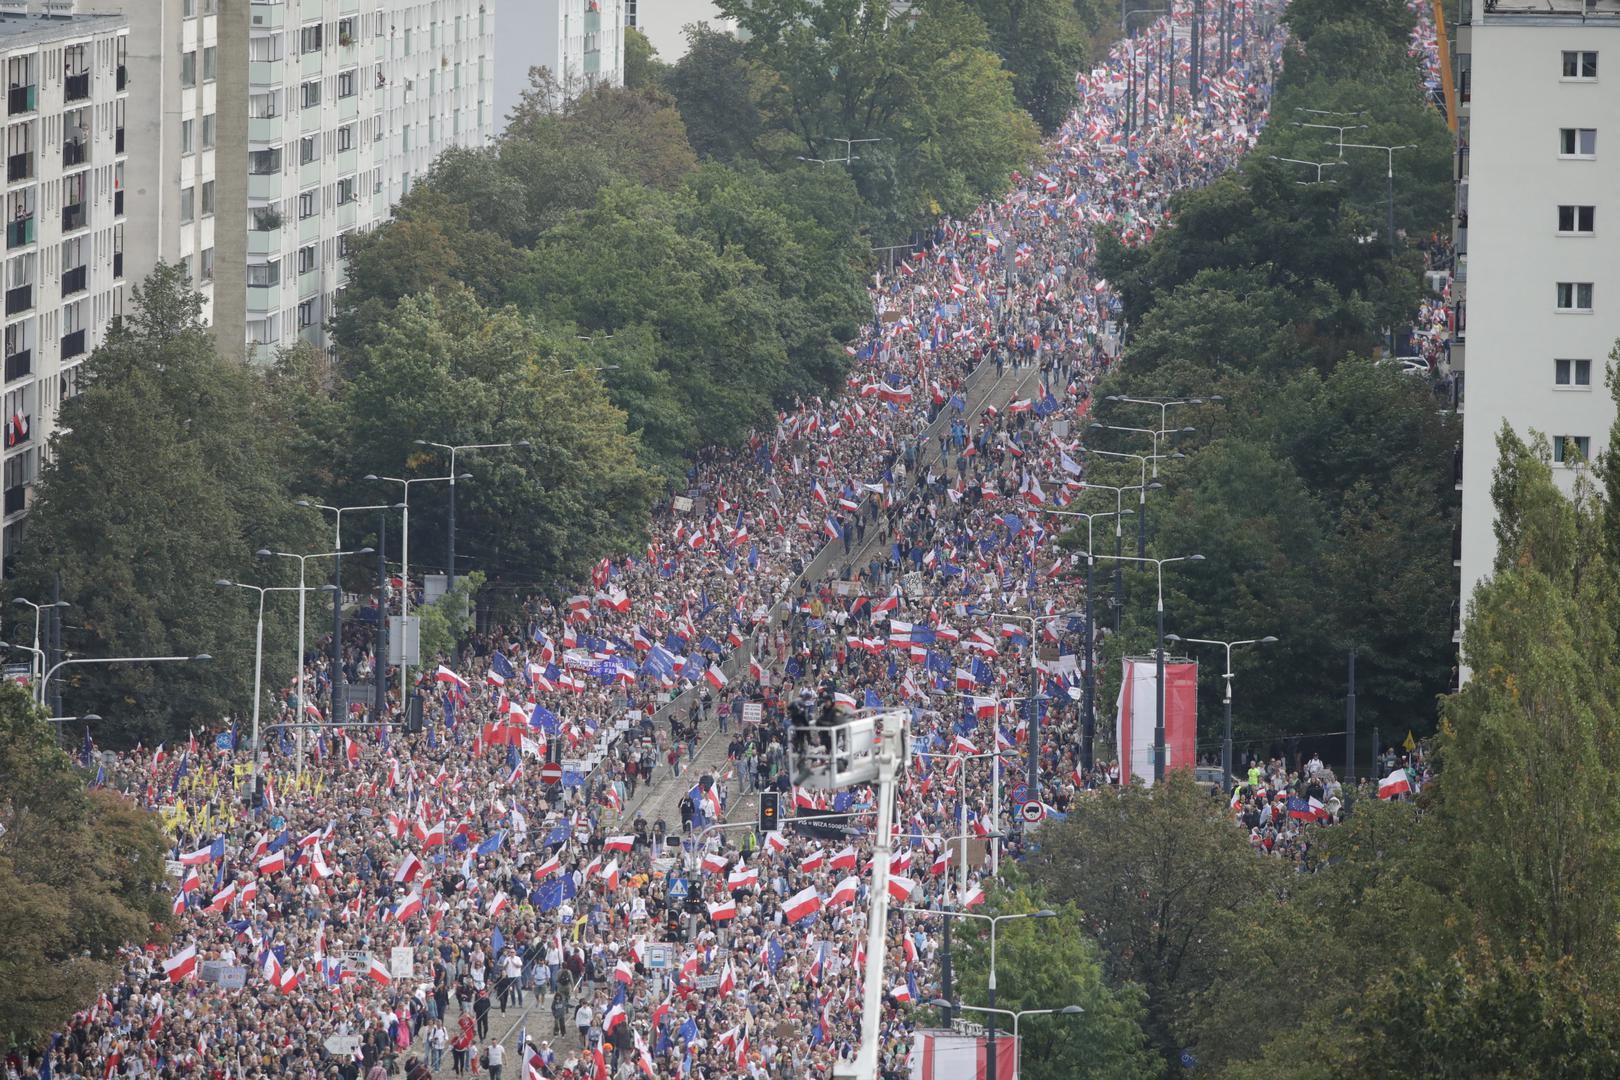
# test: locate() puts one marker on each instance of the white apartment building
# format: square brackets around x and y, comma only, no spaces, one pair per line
[664,22]
[581,42]
[279,128]
[66,97]
[1537,304]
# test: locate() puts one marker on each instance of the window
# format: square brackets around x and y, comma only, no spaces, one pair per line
[346,83]
[1577,219]
[207,198]
[345,242]
[189,8]
[309,39]
[186,129]
[188,68]
[345,191]
[264,48]
[1566,448]
[210,64]
[1572,373]
[306,314]
[308,150]
[309,94]
[1575,296]
[1577,142]
[265,106]
[345,138]
[264,162]
[264,274]
[208,132]
[306,259]
[1580,65]
[188,204]
[208,264]
[346,31]
[309,204]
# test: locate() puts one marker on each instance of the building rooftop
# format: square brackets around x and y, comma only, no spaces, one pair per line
[1604,10]
[21,31]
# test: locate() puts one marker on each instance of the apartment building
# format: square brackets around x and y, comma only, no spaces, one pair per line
[280,128]
[1536,301]
[581,42]
[66,96]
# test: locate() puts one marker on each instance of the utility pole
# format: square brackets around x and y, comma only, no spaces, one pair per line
[1350,725]
[380,674]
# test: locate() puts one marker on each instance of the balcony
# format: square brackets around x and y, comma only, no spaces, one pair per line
[20,99]
[20,233]
[19,365]
[19,299]
[19,167]
[73,345]
[76,87]
[118,264]
[75,152]
[75,280]
[18,430]
[16,499]
[73,217]
[118,203]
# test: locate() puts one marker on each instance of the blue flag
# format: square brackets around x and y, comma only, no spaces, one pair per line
[492,844]
[500,665]
[872,700]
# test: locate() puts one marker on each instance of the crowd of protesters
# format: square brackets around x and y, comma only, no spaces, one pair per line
[394,902]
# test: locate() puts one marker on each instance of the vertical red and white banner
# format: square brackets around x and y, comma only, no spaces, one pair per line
[1138,715]
[948,1055]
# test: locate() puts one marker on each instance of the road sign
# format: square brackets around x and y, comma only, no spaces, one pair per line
[1032,812]
[551,773]
[1019,794]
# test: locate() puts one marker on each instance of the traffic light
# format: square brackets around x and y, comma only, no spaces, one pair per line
[770,808]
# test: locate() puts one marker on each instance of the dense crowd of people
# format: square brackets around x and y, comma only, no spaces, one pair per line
[392,895]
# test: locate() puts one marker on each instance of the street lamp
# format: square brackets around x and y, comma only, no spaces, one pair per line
[1033,703]
[404,570]
[1158,726]
[1017,1015]
[338,695]
[39,654]
[266,553]
[1155,433]
[1340,128]
[1389,181]
[60,664]
[258,656]
[1088,714]
[524,443]
[1142,488]
[1119,541]
[1317,165]
[87,717]
[1130,71]
[994,921]
[1226,738]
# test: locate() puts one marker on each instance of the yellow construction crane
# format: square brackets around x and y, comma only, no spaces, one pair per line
[1443,47]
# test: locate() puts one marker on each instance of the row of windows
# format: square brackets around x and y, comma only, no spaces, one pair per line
[188,66]
[1575,296]
[188,202]
[188,132]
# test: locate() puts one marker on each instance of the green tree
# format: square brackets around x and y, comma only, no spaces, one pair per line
[718,90]
[1043,43]
[642,68]
[80,874]
[1151,871]
[1532,760]
[1050,964]
[443,368]
[448,619]
[165,478]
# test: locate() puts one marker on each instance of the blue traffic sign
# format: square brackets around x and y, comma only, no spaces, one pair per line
[1019,794]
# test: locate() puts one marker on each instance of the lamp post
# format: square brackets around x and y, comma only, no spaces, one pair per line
[1163,406]
[1130,71]
[995,921]
[1158,726]
[1088,714]
[1317,165]
[1389,181]
[37,663]
[1016,1014]
[1119,542]
[1340,128]
[1141,488]
[266,553]
[1226,737]
[404,570]
[1031,700]
[995,803]
[258,661]
[524,443]
[338,695]
[60,664]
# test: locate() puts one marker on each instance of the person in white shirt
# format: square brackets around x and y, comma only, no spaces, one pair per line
[494,1058]
[512,968]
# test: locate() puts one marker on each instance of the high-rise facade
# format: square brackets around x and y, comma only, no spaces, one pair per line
[287,126]
[66,146]
[580,42]
[1536,299]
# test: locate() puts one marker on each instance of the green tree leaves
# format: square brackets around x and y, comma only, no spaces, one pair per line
[80,874]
